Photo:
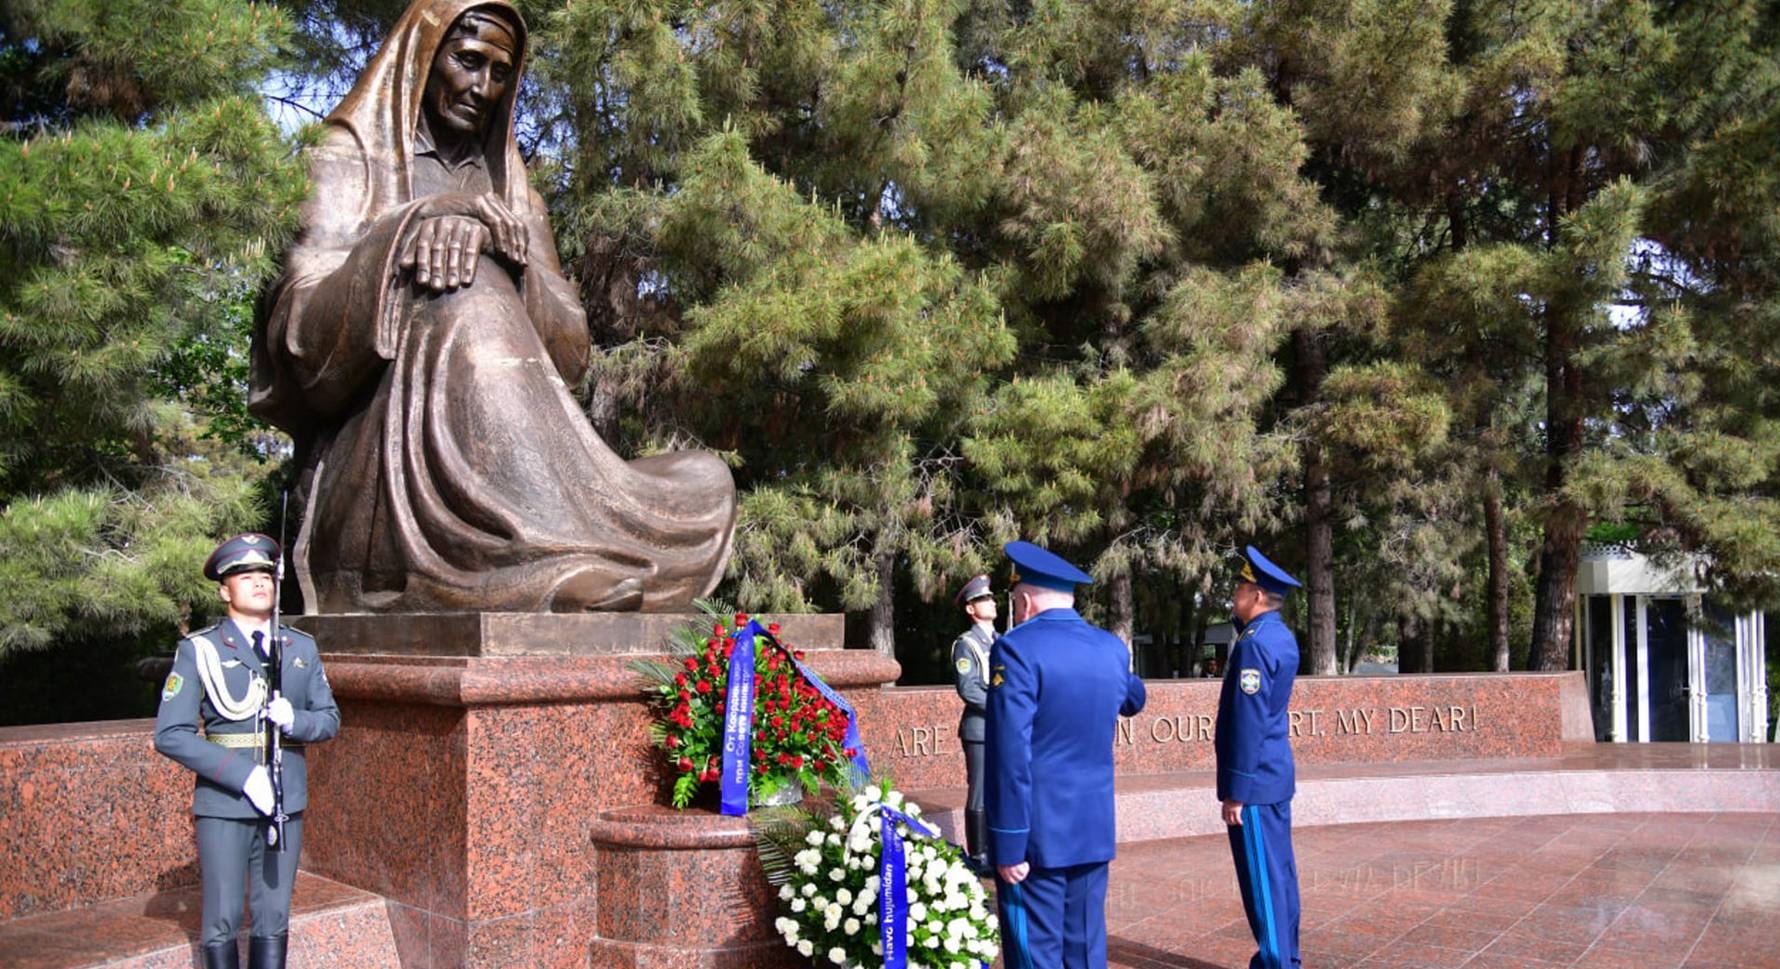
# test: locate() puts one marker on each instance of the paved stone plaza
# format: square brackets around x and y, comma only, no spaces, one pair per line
[1622,891]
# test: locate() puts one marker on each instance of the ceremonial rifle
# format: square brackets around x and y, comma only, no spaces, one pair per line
[274,690]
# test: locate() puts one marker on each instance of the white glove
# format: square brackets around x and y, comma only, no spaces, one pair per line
[258,789]
[279,712]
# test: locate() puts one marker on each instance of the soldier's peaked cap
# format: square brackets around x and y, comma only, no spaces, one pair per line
[1261,571]
[243,553]
[976,588]
[1037,566]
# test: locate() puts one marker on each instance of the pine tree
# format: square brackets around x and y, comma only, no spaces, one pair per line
[1517,171]
[799,321]
[747,187]
[143,195]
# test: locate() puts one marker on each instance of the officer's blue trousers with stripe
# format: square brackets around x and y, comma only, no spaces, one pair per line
[1056,917]
[1268,877]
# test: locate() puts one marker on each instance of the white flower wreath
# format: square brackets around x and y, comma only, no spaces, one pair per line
[827,873]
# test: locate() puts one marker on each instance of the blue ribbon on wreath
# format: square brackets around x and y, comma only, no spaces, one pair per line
[738,716]
[893,898]
[738,724]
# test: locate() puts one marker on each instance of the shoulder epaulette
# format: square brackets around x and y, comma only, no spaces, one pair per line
[207,630]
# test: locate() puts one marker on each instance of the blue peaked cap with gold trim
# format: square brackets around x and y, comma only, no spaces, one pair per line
[243,553]
[1257,568]
[1041,567]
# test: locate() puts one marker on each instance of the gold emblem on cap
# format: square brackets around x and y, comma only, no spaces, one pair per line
[1248,572]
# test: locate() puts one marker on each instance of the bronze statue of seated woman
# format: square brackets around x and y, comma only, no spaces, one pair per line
[420,347]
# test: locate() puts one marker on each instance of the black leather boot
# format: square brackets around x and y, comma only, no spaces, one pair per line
[976,840]
[266,953]
[222,955]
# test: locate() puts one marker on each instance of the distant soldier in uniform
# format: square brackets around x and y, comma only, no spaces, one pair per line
[219,684]
[1254,752]
[1057,687]
[970,670]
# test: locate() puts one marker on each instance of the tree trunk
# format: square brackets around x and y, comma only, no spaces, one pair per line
[1119,611]
[1356,646]
[603,405]
[1498,552]
[1415,645]
[1346,660]
[1318,518]
[1202,620]
[1554,603]
[881,631]
[1186,651]
[1565,521]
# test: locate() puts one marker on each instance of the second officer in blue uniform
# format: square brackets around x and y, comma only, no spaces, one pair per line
[1057,687]
[1256,777]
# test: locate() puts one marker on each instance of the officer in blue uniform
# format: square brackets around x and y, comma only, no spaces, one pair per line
[1256,778]
[219,684]
[1057,687]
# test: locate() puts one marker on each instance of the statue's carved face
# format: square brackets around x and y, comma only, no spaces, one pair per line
[470,77]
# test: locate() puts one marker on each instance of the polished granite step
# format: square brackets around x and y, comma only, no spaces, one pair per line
[1585,779]
[333,926]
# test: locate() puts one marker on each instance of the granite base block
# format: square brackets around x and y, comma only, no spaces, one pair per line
[477,754]
[528,634]
[88,811]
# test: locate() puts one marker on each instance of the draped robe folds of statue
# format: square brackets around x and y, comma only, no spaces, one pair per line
[446,464]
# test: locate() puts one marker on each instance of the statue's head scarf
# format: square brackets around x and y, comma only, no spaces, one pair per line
[361,172]
[384,107]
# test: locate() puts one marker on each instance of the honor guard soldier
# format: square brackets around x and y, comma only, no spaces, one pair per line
[970,670]
[214,715]
[1254,753]
[1057,688]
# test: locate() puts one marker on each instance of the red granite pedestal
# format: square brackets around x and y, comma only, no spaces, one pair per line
[682,891]
[494,782]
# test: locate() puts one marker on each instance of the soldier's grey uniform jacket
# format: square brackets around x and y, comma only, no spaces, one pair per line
[187,718]
[970,671]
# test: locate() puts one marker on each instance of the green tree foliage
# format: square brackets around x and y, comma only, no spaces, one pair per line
[1544,276]
[1422,277]
[143,196]
[829,211]
[837,360]
[1411,292]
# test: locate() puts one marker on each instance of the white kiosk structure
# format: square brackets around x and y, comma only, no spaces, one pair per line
[1663,662]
